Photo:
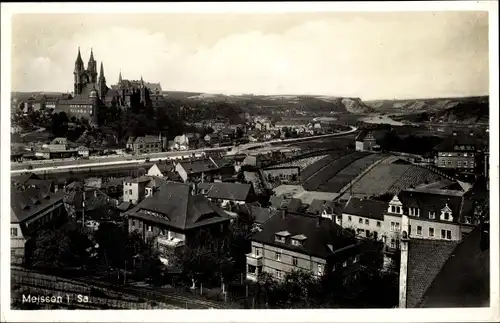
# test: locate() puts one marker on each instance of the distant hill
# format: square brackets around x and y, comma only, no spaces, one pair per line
[449,110]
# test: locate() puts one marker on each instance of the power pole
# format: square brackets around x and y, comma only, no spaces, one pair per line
[83,209]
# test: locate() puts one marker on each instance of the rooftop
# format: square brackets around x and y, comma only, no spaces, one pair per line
[35,197]
[429,201]
[366,208]
[319,234]
[174,205]
[226,191]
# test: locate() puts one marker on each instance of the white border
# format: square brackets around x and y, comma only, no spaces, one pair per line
[394,315]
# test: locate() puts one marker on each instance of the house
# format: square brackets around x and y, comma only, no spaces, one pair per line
[284,203]
[190,170]
[180,143]
[161,170]
[365,141]
[113,187]
[433,214]
[224,194]
[147,144]
[32,207]
[291,241]
[327,209]
[460,152]
[257,160]
[259,214]
[134,189]
[176,216]
[83,151]
[365,217]
[211,138]
[443,274]
[58,143]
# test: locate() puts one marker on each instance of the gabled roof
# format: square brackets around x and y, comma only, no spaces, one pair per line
[432,201]
[174,205]
[199,166]
[147,139]
[226,191]
[372,209]
[318,206]
[364,135]
[425,260]
[319,233]
[25,203]
[155,182]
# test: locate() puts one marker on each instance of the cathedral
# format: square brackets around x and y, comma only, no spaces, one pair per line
[90,92]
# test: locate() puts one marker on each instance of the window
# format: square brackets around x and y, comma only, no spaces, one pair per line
[277,256]
[130,192]
[13,232]
[320,269]
[296,242]
[431,232]
[393,226]
[378,224]
[367,222]
[393,243]
[459,163]
[344,264]
[279,273]
[360,221]
[446,215]
[432,215]
[252,269]
[133,223]
[443,234]
[448,234]
[349,218]
[449,162]
[280,239]
[419,230]
[150,228]
[294,261]
[397,226]
[393,209]
[465,163]
[398,209]
[416,212]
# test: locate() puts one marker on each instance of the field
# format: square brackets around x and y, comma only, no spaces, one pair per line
[312,169]
[330,169]
[391,178]
[302,163]
[348,173]
[414,176]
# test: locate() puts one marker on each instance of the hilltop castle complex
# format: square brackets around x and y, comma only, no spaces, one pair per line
[92,93]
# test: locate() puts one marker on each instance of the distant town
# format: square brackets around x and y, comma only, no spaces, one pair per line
[134,197]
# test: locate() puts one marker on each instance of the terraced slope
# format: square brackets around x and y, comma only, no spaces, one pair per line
[329,170]
[379,180]
[314,168]
[348,173]
[414,176]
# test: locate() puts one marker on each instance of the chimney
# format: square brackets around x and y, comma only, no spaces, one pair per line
[403,273]
[318,221]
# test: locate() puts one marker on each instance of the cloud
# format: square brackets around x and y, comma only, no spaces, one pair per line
[401,56]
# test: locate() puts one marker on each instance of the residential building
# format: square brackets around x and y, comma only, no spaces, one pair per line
[176,216]
[433,214]
[137,189]
[33,207]
[147,144]
[365,217]
[365,141]
[460,152]
[224,194]
[291,241]
[201,168]
[83,151]
[180,143]
[57,144]
[327,209]
[442,274]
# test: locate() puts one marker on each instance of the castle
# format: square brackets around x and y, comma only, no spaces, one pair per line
[91,92]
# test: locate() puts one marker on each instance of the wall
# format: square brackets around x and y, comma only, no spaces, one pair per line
[270,264]
[456,160]
[354,223]
[438,226]
[133,192]
[388,218]
[181,171]
[17,243]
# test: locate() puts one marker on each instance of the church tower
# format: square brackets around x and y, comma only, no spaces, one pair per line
[142,90]
[102,83]
[92,68]
[78,74]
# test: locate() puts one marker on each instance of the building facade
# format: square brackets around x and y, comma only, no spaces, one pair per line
[291,241]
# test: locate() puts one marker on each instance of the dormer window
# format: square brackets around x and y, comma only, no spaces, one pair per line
[298,240]
[414,211]
[446,214]
[295,242]
[432,215]
[281,236]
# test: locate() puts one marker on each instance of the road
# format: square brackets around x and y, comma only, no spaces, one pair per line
[49,166]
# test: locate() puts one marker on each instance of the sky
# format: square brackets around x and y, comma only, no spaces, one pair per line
[371,55]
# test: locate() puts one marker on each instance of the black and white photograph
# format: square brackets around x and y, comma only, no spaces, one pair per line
[243,159]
